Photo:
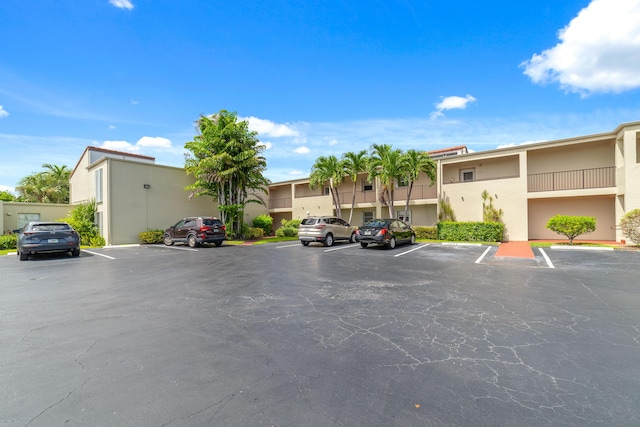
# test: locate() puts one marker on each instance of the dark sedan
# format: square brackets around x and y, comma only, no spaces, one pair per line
[387,232]
[47,237]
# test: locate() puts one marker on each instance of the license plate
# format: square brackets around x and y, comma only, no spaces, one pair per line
[53,240]
[367,233]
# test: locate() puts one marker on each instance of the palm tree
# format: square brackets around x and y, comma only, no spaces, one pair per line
[329,169]
[33,188]
[386,165]
[354,164]
[414,163]
[58,178]
[226,162]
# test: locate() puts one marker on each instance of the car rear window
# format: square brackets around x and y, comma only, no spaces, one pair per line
[309,221]
[209,221]
[375,223]
[51,227]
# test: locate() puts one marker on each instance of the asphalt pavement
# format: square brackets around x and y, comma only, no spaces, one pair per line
[286,335]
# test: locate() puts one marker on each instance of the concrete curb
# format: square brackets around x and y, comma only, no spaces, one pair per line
[582,248]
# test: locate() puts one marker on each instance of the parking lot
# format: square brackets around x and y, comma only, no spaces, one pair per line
[286,335]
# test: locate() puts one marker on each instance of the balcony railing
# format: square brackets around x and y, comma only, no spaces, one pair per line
[573,179]
[281,203]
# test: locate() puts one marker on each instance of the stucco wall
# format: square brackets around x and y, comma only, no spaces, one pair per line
[134,208]
[572,157]
[9,212]
[600,207]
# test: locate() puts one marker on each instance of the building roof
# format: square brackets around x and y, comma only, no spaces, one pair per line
[112,154]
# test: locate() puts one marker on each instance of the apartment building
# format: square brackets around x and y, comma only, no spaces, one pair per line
[594,175]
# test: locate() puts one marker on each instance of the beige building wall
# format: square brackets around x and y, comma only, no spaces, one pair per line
[133,208]
[595,154]
[10,213]
[600,207]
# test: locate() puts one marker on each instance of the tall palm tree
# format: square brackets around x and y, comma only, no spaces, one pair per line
[354,164]
[386,165]
[328,169]
[414,163]
[225,159]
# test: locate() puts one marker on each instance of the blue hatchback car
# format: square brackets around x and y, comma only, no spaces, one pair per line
[47,237]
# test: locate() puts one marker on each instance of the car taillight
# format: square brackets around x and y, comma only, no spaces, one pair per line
[358,232]
[320,226]
[383,232]
[205,228]
[223,227]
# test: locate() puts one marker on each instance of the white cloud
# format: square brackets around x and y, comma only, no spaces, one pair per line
[7,188]
[144,145]
[296,173]
[269,128]
[513,144]
[120,146]
[267,145]
[154,142]
[122,4]
[599,50]
[301,150]
[3,112]
[451,103]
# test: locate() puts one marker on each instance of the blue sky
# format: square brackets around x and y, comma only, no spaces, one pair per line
[313,78]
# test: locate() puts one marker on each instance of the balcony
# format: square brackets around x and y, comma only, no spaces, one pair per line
[572,180]
[280,203]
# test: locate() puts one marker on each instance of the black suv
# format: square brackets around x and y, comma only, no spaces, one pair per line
[195,231]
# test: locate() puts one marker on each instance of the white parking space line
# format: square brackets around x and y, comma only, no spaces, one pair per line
[98,254]
[546,258]
[181,248]
[339,248]
[479,260]
[411,250]
[289,246]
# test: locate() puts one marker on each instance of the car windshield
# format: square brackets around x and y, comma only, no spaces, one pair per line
[375,223]
[309,221]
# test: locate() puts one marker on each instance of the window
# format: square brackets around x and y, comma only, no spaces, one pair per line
[367,216]
[25,218]
[99,186]
[326,191]
[404,216]
[403,182]
[467,175]
[367,186]
[98,220]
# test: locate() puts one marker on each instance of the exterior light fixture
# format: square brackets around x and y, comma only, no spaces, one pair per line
[147,186]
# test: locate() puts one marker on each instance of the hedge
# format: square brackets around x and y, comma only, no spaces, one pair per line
[151,236]
[423,232]
[470,231]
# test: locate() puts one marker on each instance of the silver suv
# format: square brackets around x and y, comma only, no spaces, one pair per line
[325,229]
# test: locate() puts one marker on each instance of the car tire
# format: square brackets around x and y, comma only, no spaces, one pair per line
[392,243]
[192,241]
[75,252]
[304,243]
[23,256]
[352,239]
[413,239]
[218,244]
[328,241]
[167,240]
[363,244]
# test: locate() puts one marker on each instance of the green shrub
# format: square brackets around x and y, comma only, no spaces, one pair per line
[151,236]
[253,233]
[289,228]
[81,218]
[8,241]
[470,231]
[265,222]
[97,242]
[630,225]
[423,232]
[571,226]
